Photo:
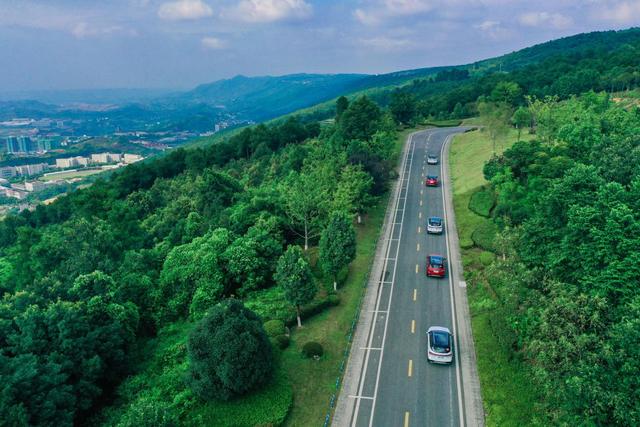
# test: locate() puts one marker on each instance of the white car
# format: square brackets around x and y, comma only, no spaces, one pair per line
[432,160]
[439,345]
[434,225]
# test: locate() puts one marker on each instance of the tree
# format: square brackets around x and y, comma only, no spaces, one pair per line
[229,353]
[337,245]
[495,118]
[520,119]
[360,120]
[353,194]
[403,106]
[506,92]
[341,106]
[293,274]
[306,196]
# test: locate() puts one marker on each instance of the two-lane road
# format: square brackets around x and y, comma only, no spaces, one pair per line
[391,382]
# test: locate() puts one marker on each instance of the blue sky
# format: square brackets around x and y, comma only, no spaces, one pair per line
[73,44]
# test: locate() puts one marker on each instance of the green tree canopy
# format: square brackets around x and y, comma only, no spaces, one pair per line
[293,274]
[337,245]
[229,353]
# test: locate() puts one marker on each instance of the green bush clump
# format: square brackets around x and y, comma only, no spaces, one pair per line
[281,341]
[482,202]
[312,349]
[484,235]
[274,327]
[333,300]
[486,258]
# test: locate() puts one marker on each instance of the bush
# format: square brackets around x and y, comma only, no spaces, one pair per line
[484,235]
[274,327]
[312,349]
[282,341]
[333,300]
[229,353]
[482,202]
[486,258]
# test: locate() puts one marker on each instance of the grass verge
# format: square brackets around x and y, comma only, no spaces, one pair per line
[314,381]
[507,389]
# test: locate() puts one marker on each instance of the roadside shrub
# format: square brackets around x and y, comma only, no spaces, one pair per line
[312,349]
[149,413]
[274,327]
[484,235]
[482,202]
[282,341]
[486,258]
[333,300]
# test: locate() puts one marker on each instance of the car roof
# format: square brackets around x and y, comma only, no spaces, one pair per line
[432,176]
[435,217]
[433,156]
[438,329]
[435,256]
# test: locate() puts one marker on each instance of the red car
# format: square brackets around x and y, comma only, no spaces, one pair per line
[436,266]
[431,181]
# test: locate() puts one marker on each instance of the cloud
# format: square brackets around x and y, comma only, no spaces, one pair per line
[392,8]
[387,43]
[270,10]
[184,9]
[83,30]
[545,19]
[624,12]
[213,43]
[493,29]
[488,25]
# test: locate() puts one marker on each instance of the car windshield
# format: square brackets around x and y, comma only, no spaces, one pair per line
[440,342]
[435,221]
[436,261]
[432,158]
[432,177]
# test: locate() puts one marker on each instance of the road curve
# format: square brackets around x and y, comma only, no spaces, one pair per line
[388,381]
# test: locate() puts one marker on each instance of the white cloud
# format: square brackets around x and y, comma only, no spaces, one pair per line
[387,43]
[488,25]
[270,10]
[184,9]
[83,30]
[545,19]
[625,12]
[392,8]
[214,43]
[493,29]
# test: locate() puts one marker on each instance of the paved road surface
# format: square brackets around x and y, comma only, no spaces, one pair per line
[388,381]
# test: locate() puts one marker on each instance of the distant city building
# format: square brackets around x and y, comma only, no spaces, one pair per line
[7,172]
[70,162]
[33,169]
[106,158]
[132,158]
[12,192]
[12,144]
[35,186]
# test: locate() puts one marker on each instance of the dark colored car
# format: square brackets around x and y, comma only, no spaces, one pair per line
[436,266]
[439,345]
[434,225]
[431,181]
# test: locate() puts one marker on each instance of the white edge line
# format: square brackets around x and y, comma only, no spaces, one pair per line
[453,307]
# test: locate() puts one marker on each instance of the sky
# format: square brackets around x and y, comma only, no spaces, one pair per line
[178,44]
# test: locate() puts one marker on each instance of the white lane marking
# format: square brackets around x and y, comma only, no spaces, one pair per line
[453,308]
[386,324]
[372,331]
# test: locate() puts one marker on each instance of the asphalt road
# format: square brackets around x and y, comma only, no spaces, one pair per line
[392,384]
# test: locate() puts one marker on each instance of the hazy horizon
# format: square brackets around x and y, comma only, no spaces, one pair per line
[179,44]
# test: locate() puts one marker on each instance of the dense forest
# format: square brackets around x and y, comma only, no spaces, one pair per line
[567,202]
[88,278]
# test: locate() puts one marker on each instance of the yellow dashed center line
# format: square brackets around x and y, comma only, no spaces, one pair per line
[420,202]
[406,419]
[415,294]
[416,268]
[410,370]
[413,326]
[418,248]
[419,230]
[419,214]
[421,192]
